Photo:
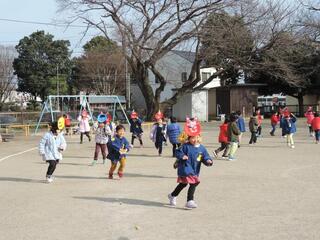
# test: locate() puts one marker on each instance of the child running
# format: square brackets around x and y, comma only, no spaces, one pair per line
[316,126]
[173,132]
[289,127]
[233,137]
[50,148]
[118,147]
[103,133]
[190,156]
[309,114]
[253,126]
[84,126]
[158,133]
[135,128]
[274,121]
[223,139]
[241,125]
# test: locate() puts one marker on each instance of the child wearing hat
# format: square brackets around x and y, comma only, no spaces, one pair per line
[309,114]
[190,156]
[84,126]
[50,148]
[158,132]
[289,128]
[136,128]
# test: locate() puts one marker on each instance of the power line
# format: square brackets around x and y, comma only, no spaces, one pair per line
[42,23]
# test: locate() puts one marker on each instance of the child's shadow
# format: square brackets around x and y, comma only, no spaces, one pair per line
[27,180]
[129,201]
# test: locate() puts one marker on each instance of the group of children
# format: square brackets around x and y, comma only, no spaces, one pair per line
[186,144]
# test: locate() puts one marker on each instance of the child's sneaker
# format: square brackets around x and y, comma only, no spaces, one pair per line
[231,158]
[215,154]
[104,161]
[110,176]
[49,179]
[120,175]
[292,146]
[191,204]
[172,200]
[94,162]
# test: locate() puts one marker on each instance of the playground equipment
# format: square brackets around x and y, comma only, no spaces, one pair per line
[52,105]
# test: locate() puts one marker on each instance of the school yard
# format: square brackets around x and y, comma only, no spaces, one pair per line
[269,192]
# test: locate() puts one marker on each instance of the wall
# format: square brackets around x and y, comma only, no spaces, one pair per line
[243,98]
[200,105]
[183,107]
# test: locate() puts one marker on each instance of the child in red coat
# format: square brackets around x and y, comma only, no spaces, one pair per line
[274,121]
[316,126]
[223,139]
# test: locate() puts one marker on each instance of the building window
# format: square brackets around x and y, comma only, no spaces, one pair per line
[184,76]
[205,76]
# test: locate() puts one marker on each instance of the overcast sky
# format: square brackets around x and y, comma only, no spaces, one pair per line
[36,11]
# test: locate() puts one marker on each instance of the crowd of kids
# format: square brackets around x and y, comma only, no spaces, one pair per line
[186,144]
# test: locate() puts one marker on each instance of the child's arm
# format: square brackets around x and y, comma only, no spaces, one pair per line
[63,143]
[182,153]
[42,144]
[207,160]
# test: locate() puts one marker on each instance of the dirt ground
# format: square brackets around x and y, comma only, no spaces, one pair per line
[269,192]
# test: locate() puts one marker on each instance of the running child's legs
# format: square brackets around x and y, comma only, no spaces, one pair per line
[102,148]
[317,134]
[174,148]
[159,146]
[181,186]
[87,134]
[52,167]
[290,139]
[233,148]
[121,167]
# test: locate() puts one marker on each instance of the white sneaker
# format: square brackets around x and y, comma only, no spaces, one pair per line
[172,200]
[49,179]
[191,204]
[292,146]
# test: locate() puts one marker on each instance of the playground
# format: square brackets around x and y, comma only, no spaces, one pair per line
[270,192]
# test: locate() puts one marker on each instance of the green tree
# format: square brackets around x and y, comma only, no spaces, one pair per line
[42,65]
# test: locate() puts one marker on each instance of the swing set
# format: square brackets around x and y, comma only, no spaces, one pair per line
[53,103]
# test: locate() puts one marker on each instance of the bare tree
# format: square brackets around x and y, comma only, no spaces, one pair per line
[147,29]
[7,84]
[101,72]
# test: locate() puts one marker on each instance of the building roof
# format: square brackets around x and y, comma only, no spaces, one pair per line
[190,56]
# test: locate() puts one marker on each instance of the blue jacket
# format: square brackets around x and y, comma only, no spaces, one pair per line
[135,127]
[196,156]
[173,132]
[241,125]
[114,147]
[289,126]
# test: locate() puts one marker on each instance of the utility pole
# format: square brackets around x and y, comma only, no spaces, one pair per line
[128,92]
[58,100]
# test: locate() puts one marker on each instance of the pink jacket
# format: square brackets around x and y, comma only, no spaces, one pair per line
[84,124]
[310,116]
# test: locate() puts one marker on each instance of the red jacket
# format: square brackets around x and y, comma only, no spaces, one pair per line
[274,119]
[309,115]
[259,119]
[316,123]
[223,135]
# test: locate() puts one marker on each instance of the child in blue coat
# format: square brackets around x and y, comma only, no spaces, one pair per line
[136,128]
[289,128]
[118,147]
[173,132]
[241,125]
[190,156]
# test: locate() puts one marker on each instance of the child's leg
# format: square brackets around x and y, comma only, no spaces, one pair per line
[291,139]
[88,135]
[122,166]
[52,167]
[81,137]
[224,146]
[140,140]
[174,148]
[104,151]
[132,139]
[233,149]
[160,143]
[112,168]
[191,191]
[317,134]
[96,152]
[178,189]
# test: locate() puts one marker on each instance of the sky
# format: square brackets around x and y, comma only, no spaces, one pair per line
[44,11]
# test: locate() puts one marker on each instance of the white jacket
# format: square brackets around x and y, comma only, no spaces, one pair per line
[49,146]
[84,124]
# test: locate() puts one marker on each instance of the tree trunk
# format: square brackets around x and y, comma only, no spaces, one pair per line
[300,102]
[143,82]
